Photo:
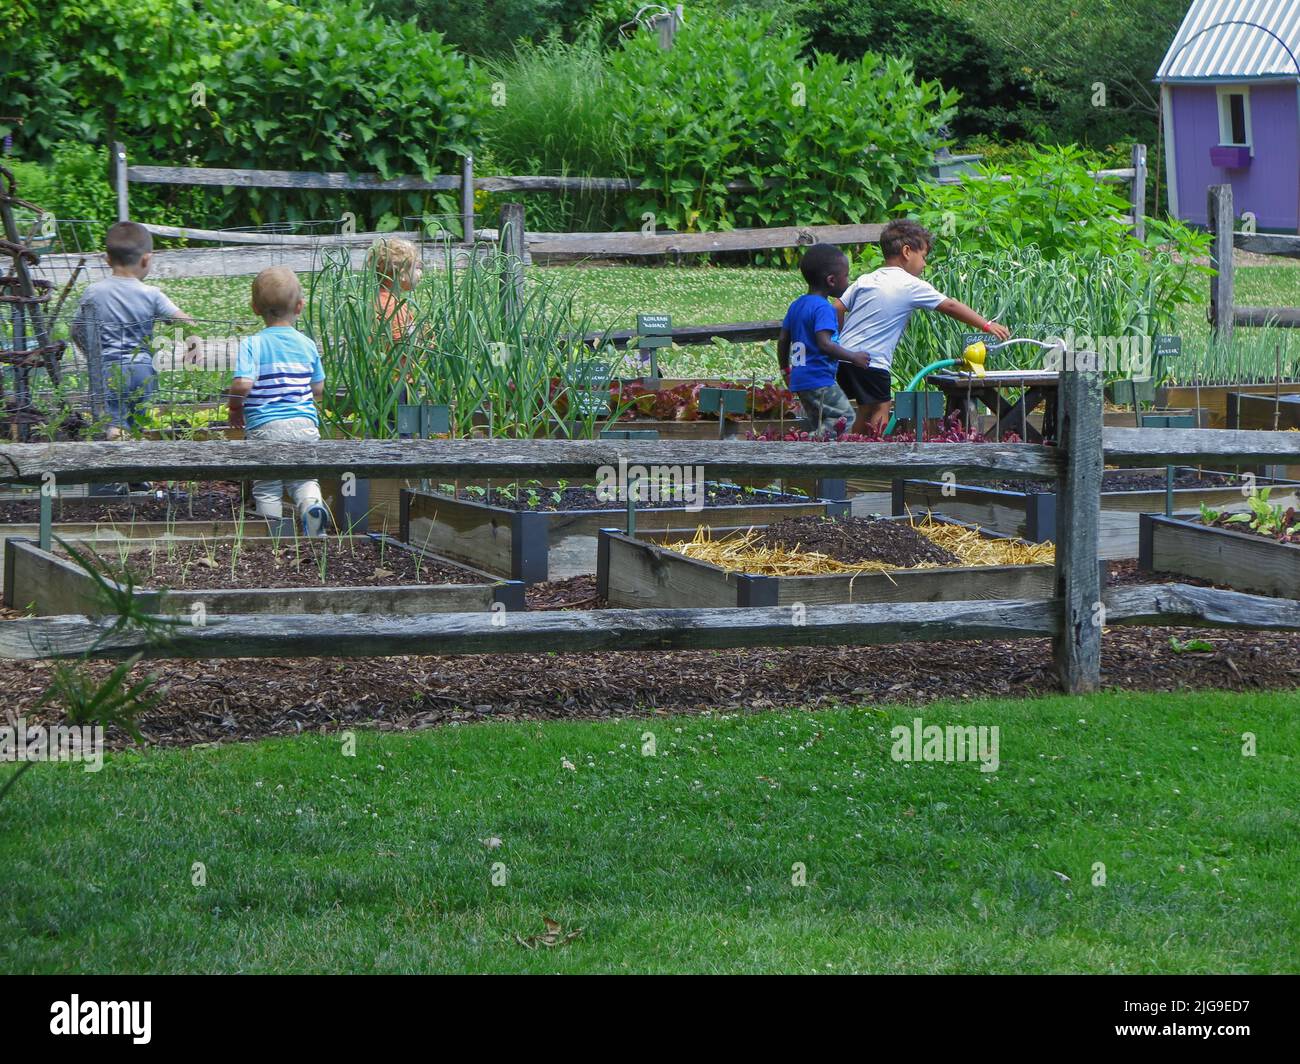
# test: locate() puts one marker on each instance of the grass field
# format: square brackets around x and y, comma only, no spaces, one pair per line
[682,861]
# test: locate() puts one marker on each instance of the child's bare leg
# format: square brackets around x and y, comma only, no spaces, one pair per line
[863,420]
[877,416]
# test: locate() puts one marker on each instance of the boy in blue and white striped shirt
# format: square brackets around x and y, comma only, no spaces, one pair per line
[278,382]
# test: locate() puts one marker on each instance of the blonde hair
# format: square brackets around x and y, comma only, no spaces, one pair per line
[276,292]
[393,258]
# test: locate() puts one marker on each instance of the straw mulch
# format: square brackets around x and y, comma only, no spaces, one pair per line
[745,552]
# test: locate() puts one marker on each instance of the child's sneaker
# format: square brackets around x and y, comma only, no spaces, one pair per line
[315,521]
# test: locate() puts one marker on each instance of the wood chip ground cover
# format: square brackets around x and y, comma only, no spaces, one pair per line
[241,700]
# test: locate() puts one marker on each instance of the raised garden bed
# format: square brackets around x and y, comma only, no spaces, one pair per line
[1247,561]
[1028,510]
[867,483]
[139,515]
[1252,411]
[348,574]
[535,544]
[1213,398]
[643,571]
[1280,411]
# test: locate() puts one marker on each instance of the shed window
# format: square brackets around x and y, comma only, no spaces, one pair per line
[1234,117]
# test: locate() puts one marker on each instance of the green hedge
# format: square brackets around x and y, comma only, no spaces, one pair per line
[239,83]
[734,100]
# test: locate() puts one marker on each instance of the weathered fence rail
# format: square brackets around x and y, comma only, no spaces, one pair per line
[498,458]
[600,245]
[369,635]
[1073,619]
[492,458]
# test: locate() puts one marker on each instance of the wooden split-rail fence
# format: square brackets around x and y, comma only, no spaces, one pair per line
[1225,314]
[242,253]
[1072,619]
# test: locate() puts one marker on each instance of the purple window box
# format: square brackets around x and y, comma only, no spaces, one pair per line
[1233,158]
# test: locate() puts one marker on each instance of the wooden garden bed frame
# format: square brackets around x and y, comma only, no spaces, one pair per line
[1072,618]
[1181,544]
[535,545]
[1033,516]
[640,572]
[52,585]
[106,532]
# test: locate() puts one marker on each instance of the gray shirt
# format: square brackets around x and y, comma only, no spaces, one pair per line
[118,313]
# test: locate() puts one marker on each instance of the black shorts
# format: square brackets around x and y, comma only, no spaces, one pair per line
[864,385]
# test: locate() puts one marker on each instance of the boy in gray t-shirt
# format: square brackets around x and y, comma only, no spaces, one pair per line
[118,314]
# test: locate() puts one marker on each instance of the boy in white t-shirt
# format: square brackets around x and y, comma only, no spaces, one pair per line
[877,308]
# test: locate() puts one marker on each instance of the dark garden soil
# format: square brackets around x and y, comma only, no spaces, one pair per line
[244,700]
[1125,480]
[214,501]
[857,539]
[585,498]
[357,562]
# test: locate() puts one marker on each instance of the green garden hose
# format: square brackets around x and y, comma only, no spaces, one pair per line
[943,363]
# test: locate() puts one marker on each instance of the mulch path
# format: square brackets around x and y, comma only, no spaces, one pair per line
[857,539]
[241,700]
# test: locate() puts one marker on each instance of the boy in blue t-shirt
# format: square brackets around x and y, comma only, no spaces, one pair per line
[278,382]
[809,350]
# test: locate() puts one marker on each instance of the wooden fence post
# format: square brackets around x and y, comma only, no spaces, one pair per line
[1138,191]
[467,197]
[1219,208]
[1076,650]
[510,235]
[119,180]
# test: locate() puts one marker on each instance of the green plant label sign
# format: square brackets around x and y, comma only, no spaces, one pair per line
[586,403]
[1167,346]
[654,324]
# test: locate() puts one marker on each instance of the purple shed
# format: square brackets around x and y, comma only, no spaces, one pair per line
[1230,93]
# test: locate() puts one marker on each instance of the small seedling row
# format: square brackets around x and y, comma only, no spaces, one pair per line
[52,582]
[1243,560]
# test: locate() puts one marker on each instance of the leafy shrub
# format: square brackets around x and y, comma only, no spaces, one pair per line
[85,69]
[1050,201]
[335,89]
[734,100]
[268,85]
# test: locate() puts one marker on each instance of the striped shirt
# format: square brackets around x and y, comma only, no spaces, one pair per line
[283,364]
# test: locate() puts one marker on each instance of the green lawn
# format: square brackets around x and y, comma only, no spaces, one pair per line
[681,861]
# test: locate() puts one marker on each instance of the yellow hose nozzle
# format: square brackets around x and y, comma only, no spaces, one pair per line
[974,356]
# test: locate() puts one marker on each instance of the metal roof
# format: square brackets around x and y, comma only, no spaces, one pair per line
[1227,39]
